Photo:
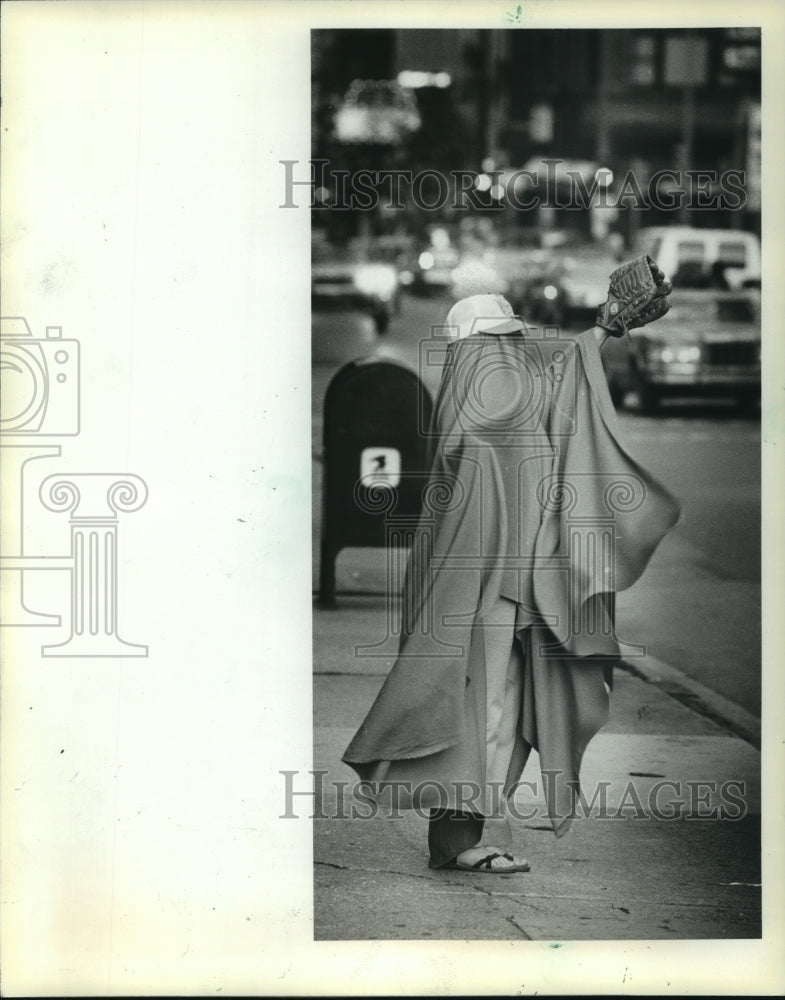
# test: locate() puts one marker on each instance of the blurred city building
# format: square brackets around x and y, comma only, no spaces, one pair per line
[640,100]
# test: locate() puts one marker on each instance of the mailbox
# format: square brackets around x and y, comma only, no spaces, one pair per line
[376,414]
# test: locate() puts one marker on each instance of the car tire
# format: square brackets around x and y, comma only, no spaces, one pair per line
[746,404]
[648,397]
[618,394]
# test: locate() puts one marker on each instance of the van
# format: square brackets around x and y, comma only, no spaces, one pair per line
[702,258]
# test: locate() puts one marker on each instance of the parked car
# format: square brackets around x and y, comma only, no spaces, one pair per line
[432,269]
[708,345]
[703,258]
[568,286]
[520,262]
[430,263]
[343,281]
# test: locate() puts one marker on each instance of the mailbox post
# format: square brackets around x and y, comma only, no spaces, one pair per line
[376,415]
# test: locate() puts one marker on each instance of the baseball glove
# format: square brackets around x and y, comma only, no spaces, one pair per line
[638,294]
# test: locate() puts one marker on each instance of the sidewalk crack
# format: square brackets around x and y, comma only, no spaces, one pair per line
[517,926]
[389,871]
[510,899]
[370,871]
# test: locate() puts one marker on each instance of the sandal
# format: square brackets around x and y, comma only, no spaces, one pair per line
[485,867]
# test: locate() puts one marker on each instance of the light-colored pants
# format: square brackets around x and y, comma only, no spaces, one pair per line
[503,698]
[450,832]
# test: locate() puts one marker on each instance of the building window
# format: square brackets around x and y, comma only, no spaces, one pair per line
[739,58]
[643,65]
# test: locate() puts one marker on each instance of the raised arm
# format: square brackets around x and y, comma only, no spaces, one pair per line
[638,293]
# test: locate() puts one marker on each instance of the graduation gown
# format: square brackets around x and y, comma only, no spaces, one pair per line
[532,496]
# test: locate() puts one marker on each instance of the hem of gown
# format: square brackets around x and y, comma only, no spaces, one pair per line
[387,756]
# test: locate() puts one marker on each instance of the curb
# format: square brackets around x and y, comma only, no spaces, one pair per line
[697,697]
[671,681]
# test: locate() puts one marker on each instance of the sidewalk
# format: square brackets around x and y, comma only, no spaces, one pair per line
[620,873]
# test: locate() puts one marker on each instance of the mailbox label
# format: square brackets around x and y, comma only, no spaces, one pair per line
[380,467]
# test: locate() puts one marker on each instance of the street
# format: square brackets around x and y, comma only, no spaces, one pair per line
[697,607]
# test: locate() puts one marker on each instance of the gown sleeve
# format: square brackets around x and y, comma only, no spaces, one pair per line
[603,514]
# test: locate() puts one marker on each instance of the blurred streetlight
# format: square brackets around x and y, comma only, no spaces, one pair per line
[604,177]
[541,123]
[412,79]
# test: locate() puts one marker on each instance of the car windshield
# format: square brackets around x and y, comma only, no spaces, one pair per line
[384,254]
[733,254]
[329,253]
[581,261]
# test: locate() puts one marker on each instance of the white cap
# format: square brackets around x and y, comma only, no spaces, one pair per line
[483,314]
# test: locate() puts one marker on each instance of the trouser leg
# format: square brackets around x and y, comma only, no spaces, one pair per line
[503,693]
[450,833]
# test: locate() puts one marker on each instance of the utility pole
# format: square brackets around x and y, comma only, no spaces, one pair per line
[687,140]
[686,65]
[603,150]
[484,71]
